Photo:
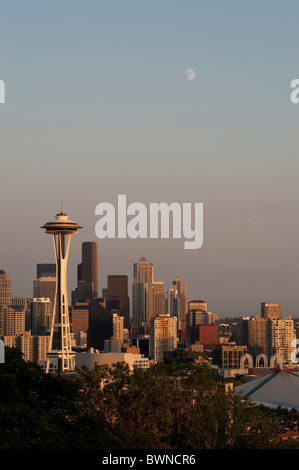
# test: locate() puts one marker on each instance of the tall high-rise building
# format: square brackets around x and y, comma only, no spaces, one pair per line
[45,270]
[180,285]
[117,290]
[26,303]
[19,302]
[5,294]
[45,287]
[196,315]
[163,336]
[100,325]
[193,319]
[61,230]
[198,305]
[172,305]
[41,346]
[13,320]
[155,300]
[143,271]
[257,335]
[105,293]
[143,275]
[280,334]
[80,316]
[173,302]
[90,274]
[33,348]
[271,310]
[118,327]
[41,316]
[87,273]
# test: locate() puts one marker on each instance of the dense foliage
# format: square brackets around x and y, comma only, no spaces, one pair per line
[172,406]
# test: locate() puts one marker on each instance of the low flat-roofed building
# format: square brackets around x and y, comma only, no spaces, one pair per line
[91,357]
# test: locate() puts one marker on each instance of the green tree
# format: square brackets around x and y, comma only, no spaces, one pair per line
[36,409]
[175,406]
[172,406]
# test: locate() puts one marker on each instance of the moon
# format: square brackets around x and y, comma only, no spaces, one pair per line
[190,74]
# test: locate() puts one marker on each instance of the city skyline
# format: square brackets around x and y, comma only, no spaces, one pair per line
[167,287]
[97,103]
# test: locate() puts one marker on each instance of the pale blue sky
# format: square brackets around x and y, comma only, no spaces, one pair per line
[97,104]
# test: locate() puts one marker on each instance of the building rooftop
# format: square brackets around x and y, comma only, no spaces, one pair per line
[278,388]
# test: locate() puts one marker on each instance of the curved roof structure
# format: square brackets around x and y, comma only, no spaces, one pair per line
[279,388]
[61,225]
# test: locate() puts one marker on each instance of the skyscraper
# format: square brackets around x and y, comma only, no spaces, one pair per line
[173,305]
[5,289]
[155,300]
[41,316]
[26,304]
[45,287]
[80,316]
[61,230]
[196,315]
[19,302]
[181,287]
[45,270]
[270,310]
[118,327]
[257,335]
[13,320]
[90,268]
[87,273]
[118,290]
[143,274]
[280,334]
[198,305]
[5,294]
[163,336]
[173,302]
[33,348]
[100,325]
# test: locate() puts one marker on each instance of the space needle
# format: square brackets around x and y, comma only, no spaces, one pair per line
[61,230]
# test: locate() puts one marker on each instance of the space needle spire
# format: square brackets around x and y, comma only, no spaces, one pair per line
[61,230]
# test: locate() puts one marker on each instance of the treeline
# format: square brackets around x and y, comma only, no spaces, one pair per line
[172,406]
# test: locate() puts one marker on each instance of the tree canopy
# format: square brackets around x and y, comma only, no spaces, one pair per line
[175,406]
